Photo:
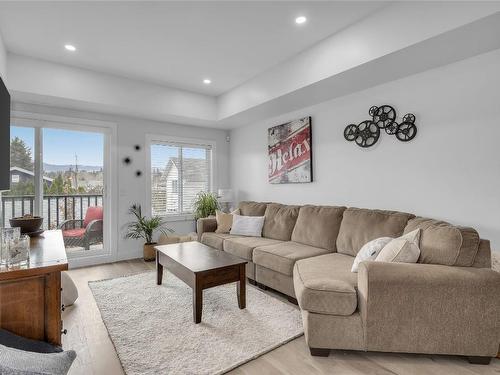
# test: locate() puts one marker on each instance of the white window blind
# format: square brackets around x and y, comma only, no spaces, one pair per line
[178,172]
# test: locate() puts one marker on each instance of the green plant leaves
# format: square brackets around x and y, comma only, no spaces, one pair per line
[143,227]
[205,204]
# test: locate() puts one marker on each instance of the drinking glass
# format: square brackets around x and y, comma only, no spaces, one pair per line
[18,251]
[6,235]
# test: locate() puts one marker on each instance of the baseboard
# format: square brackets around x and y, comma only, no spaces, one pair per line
[79,262]
[127,255]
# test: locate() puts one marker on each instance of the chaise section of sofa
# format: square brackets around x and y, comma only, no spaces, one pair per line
[326,285]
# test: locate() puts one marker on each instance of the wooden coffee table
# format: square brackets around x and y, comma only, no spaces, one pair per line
[201,267]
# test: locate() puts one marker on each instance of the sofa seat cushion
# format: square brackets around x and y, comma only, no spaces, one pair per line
[326,285]
[215,240]
[360,226]
[444,243]
[243,247]
[281,257]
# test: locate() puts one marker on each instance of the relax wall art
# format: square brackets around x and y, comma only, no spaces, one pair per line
[290,152]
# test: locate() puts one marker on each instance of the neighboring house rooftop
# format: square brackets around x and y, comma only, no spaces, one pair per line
[30,173]
[193,169]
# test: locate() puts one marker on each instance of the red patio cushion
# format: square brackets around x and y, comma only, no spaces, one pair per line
[93,213]
[74,232]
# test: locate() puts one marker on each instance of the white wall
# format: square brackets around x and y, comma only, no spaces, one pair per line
[3,59]
[450,171]
[131,131]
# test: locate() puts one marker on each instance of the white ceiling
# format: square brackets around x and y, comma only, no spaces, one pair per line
[176,44]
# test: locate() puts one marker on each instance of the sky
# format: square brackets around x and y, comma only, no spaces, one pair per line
[60,146]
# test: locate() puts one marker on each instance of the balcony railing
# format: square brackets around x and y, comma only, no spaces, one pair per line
[56,208]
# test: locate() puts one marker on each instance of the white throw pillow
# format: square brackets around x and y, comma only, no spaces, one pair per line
[369,251]
[404,249]
[247,225]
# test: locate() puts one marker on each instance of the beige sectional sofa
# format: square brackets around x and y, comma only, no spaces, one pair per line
[447,303]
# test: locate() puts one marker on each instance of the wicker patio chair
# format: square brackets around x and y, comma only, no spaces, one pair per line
[86,232]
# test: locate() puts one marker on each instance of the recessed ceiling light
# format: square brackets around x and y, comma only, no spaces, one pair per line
[70,47]
[300,20]
[207,81]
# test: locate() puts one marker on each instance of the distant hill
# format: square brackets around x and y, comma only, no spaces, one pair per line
[66,167]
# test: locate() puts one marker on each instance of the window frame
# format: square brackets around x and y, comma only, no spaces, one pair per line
[152,139]
[175,186]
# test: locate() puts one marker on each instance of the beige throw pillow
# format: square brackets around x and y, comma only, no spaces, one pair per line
[404,249]
[225,221]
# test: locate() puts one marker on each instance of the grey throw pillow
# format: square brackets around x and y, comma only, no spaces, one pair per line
[17,342]
[19,362]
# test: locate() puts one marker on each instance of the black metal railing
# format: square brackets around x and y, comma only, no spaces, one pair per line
[56,208]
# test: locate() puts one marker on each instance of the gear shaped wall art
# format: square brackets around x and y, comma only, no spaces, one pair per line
[367,132]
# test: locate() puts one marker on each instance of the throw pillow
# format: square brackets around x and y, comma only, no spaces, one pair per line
[17,342]
[369,251]
[404,249]
[247,225]
[224,220]
[15,362]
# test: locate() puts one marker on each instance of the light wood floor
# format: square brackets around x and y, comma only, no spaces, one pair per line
[96,354]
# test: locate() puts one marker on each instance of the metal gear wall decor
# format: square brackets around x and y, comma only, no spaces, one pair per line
[367,132]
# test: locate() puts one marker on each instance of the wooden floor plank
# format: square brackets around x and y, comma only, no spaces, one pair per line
[87,335]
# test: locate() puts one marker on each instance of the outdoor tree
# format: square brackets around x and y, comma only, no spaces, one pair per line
[20,154]
[22,188]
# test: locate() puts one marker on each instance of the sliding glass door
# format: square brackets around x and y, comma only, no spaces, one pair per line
[73,186]
[58,171]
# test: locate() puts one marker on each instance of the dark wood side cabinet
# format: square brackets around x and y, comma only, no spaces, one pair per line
[30,296]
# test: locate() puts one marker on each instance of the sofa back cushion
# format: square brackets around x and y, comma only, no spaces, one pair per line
[444,243]
[318,226]
[361,225]
[483,256]
[249,208]
[279,221]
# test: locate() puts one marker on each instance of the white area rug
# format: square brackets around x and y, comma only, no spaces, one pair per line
[153,331]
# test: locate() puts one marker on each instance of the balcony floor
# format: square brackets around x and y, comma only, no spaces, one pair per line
[70,250]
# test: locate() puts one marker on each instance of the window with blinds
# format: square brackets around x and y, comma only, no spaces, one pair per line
[178,172]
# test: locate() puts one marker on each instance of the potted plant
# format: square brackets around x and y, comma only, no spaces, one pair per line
[205,205]
[145,228]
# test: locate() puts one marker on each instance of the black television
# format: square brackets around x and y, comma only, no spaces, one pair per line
[4,137]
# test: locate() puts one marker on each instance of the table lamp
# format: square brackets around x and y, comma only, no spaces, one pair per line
[225,197]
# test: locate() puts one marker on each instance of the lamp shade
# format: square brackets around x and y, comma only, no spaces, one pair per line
[225,195]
